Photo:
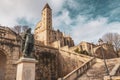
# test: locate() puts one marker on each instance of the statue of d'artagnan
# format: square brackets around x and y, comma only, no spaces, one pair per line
[27,43]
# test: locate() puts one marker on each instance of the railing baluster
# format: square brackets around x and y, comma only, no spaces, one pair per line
[75,73]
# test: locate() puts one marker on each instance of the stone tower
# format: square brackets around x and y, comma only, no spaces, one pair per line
[43,28]
[45,34]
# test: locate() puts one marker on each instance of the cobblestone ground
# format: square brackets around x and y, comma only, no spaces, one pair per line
[98,70]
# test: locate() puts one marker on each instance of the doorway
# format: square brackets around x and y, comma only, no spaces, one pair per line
[2,65]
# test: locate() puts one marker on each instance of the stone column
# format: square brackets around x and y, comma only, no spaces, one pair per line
[26,69]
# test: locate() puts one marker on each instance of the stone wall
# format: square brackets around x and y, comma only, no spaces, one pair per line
[47,67]
[54,63]
[9,47]
[70,61]
[11,58]
[106,51]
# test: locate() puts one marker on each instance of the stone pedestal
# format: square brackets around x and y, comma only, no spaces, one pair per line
[26,69]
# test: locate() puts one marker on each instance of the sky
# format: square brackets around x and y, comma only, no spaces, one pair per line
[83,20]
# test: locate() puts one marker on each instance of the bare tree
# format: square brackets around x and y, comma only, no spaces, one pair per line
[114,39]
[24,28]
[17,29]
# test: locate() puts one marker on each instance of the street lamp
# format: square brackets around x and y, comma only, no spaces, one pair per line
[103,56]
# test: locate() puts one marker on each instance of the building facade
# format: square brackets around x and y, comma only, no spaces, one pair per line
[52,62]
[9,53]
[45,33]
[96,50]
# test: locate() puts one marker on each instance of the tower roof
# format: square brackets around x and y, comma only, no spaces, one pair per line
[46,6]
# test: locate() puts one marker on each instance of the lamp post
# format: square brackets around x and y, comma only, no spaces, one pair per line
[103,56]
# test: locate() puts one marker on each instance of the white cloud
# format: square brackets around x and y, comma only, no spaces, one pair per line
[10,10]
[56,5]
[80,28]
[62,19]
[92,30]
[84,30]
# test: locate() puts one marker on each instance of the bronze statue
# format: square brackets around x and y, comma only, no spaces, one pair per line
[27,43]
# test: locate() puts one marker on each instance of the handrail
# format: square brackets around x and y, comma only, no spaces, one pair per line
[75,53]
[79,71]
[115,69]
[44,46]
[113,73]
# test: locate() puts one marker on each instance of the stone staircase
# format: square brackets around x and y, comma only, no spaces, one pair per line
[79,71]
[94,69]
[98,70]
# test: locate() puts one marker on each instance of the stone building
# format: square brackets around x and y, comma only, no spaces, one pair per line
[104,48]
[45,33]
[86,46]
[96,49]
[52,62]
[9,53]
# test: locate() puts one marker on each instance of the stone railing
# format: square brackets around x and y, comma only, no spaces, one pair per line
[74,53]
[44,46]
[114,73]
[112,78]
[115,70]
[79,71]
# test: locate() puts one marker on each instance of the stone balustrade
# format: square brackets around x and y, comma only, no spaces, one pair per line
[114,73]
[115,70]
[112,78]
[79,71]
[74,53]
